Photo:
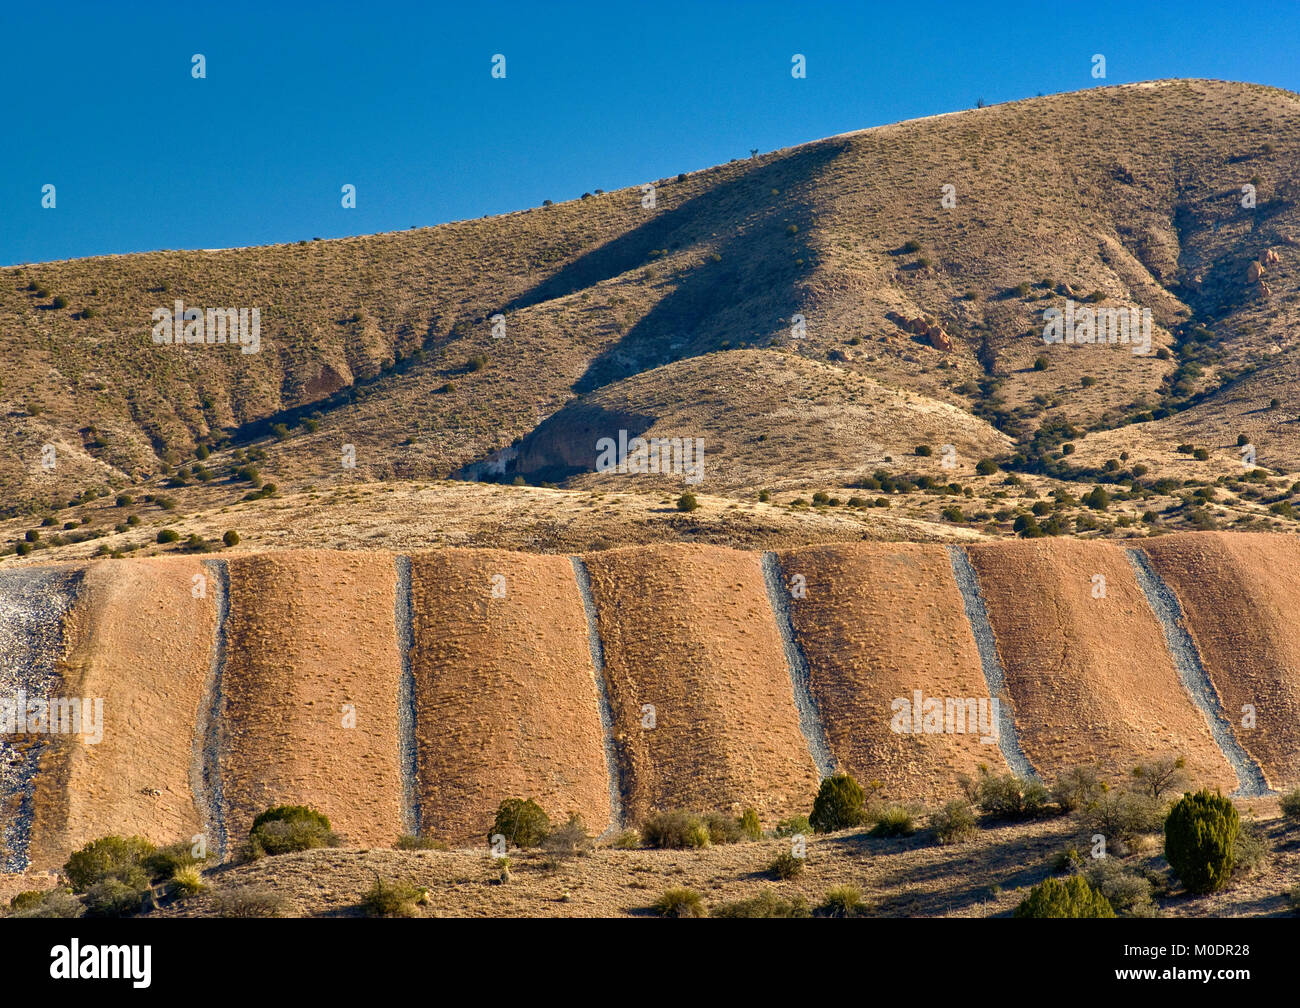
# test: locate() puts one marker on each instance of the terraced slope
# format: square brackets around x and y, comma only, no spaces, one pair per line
[879,622]
[690,633]
[1089,674]
[138,638]
[505,695]
[309,693]
[1239,598]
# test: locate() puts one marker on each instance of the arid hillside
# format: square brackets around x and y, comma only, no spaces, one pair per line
[830,322]
[408,695]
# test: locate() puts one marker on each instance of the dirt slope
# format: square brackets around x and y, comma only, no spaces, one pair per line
[504,692]
[879,622]
[1239,597]
[309,633]
[1090,677]
[689,631]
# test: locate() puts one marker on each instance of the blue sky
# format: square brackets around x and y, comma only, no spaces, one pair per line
[398,100]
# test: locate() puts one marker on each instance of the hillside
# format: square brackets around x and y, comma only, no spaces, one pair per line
[765,306]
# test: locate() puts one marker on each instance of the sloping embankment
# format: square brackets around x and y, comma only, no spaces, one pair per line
[310,692]
[504,692]
[1089,673]
[689,633]
[138,639]
[1240,596]
[878,622]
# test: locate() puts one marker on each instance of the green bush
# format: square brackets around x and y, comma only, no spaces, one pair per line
[1120,816]
[110,857]
[1200,833]
[1072,897]
[392,899]
[841,901]
[522,822]
[1077,788]
[230,538]
[687,502]
[26,900]
[1128,893]
[168,535]
[954,823]
[679,903]
[165,862]
[765,904]
[1289,803]
[839,804]
[723,829]
[786,866]
[57,903]
[113,898]
[794,826]
[1006,796]
[288,828]
[675,830]
[186,882]
[893,821]
[750,826]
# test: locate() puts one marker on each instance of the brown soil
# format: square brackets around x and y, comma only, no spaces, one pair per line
[139,639]
[1091,679]
[505,693]
[309,633]
[689,630]
[1238,596]
[878,622]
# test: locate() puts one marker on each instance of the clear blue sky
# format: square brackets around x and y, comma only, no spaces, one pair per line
[398,99]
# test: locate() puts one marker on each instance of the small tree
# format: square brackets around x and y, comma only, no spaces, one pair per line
[840,804]
[1200,832]
[522,822]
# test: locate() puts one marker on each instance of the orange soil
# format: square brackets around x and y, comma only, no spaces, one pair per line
[1239,596]
[310,632]
[880,621]
[139,639]
[505,695]
[1090,678]
[689,630]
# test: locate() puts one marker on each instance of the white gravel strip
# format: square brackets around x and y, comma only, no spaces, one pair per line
[407,751]
[616,813]
[205,771]
[1187,659]
[990,661]
[796,662]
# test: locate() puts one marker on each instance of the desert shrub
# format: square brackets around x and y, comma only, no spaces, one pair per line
[893,821]
[1067,862]
[113,898]
[794,826]
[288,828]
[1072,897]
[765,904]
[1128,893]
[839,804]
[411,841]
[1200,833]
[110,857]
[786,866]
[687,502]
[186,882]
[57,903]
[165,862]
[250,901]
[230,538]
[841,901]
[391,899]
[676,830]
[1077,787]
[569,840]
[167,535]
[1250,852]
[1006,796]
[954,823]
[750,826]
[1159,776]
[1293,898]
[628,840]
[1289,803]
[60,301]
[522,822]
[723,829]
[26,900]
[1120,816]
[679,903]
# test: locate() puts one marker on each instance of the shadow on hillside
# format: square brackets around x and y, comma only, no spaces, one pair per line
[746,289]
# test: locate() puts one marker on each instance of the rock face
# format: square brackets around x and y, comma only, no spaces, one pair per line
[1254,271]
[1271,258]
[921,326]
